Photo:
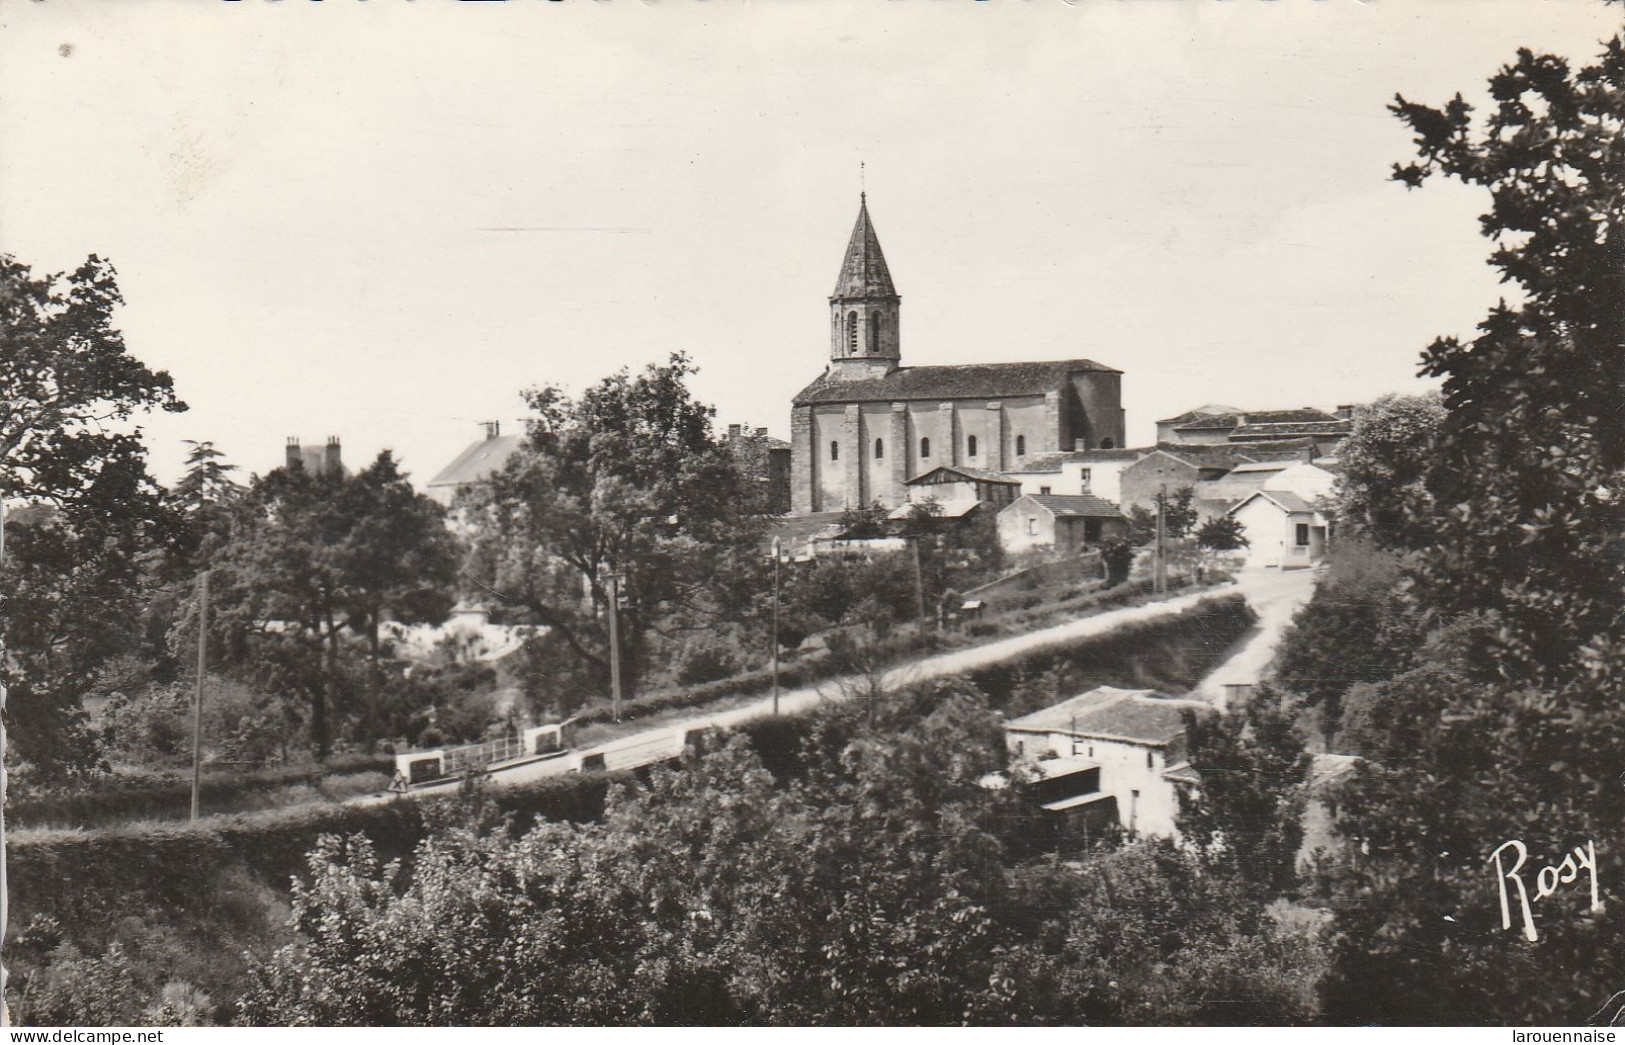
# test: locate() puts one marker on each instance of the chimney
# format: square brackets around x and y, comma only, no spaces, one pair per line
[1309,454]
[331,464]
[761,433]
[733,433]
[1080,444]
[1344,412]
[493,429]
[293,459]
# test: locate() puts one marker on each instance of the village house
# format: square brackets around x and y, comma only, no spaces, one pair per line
[475,464]
[1283,530]
[868,424]
[957,491]
[1210,425]
[1133,740]
[764,463]
[1062,523]
[316,460]
[1094,472]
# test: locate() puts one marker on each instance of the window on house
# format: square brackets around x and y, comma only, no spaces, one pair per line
[1084,476]
[1032,527]
[1303,535]
[1021,446]
[1149,764]
[852,333]
[1106,443]
[874,334]
[1043,489]
[834,450]
[970,446]
[880,449]
[925,447]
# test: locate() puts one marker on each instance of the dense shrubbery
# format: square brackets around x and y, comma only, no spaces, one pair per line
[168,795]
[874,884]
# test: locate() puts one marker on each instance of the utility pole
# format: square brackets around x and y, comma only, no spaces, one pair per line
[1159,560]
[776,560]
[197,703]
[615,645]
[919,587]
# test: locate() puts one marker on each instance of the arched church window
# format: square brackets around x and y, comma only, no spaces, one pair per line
[880,449]
[874,334]
[925,447]
[970,446]
[852,333]
[1021,446]
[1107,444]
[834,450]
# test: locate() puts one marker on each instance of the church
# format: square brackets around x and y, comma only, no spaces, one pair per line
[868,424]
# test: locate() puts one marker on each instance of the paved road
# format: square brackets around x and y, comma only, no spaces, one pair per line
[1273,595]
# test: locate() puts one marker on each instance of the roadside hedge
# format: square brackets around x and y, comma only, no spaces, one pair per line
[168,796]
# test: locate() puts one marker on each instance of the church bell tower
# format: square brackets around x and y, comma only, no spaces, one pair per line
[863,311]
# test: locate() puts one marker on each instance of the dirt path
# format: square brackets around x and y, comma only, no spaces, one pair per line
[1275,597]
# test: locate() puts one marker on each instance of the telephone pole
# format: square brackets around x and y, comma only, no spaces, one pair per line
[919,587]
[615,645]
[197,703]
[776,560]
[1159,560]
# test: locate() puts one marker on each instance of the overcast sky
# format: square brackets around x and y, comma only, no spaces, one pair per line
[383,220]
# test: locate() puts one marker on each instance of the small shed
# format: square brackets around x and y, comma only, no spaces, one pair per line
[1065,523]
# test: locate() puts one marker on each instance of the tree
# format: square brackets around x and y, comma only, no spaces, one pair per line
[71,569]
[1222,534]
[1528,471]
[1511,729]
[626,481]
[1248,811]
[1382,492]
[1178,516]
[311,567]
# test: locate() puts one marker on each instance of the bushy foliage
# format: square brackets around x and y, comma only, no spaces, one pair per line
[1358,628]
[871,887]
[1381,493]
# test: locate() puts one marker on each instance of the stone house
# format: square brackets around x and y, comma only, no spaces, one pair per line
[1134,739]
[1283,530]
[1062,523]
[1096,472]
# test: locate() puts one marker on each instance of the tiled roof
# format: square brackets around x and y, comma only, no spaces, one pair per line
[1260,466]
[979,475]
[1243,418]
[479,461]
[863,269]
[1284,498]
[1086,505]
[1276,429]
[1109,713]
[973,381]
[1210,410]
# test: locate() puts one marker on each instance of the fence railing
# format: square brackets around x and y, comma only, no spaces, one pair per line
[478,756]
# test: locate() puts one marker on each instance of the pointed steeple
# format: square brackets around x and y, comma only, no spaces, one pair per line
[863,269]
[864,335]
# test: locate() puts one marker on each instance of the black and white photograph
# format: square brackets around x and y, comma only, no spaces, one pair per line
[846,514]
